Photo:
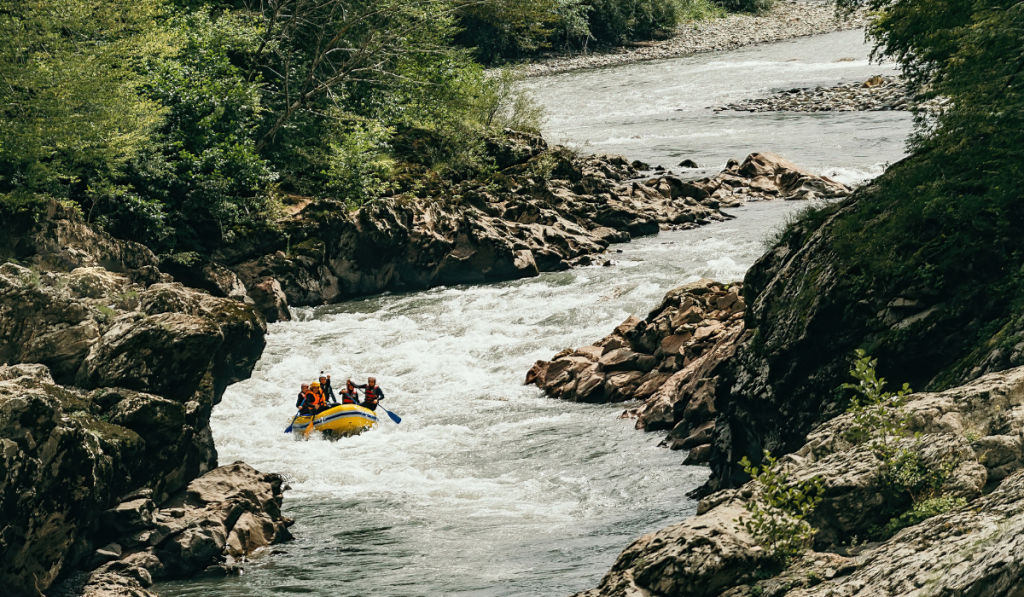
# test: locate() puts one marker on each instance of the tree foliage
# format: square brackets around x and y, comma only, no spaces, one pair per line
[182,123]
[70,111]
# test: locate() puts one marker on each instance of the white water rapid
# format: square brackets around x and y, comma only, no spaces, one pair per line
[487,488]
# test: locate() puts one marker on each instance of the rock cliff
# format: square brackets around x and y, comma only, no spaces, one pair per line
[111,371]
[974,431]
[809,309]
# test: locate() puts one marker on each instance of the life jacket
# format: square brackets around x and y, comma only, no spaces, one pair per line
[319,400]
[349,397]
[308,402]
[373,395]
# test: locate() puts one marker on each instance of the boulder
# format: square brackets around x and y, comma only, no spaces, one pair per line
[270,300]
[966,551]
[166,354]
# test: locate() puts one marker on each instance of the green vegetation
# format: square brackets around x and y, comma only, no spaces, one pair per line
[512,29]
[881,421]
[778,511]
[184,124]
[945,222]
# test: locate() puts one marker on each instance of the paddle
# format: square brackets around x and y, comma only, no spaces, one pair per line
[397,419]
[309,429]
[289,429]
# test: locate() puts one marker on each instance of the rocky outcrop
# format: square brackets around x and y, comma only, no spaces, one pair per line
[213,525]
[112,371]
[975,429]
[809,310]
[543,211]
[668,361]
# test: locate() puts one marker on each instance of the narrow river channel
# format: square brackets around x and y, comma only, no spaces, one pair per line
[487,488]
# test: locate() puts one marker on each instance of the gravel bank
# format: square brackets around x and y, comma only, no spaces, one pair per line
[789,19]
[878,93]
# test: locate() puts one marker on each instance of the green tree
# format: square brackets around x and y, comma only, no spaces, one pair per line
[70,111]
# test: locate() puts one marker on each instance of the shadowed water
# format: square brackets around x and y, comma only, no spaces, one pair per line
[487,488]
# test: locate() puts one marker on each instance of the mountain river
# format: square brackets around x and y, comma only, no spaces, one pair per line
[487,488]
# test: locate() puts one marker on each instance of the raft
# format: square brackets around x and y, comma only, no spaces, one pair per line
[340,421]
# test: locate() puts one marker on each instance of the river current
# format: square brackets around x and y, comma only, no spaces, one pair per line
[487,488]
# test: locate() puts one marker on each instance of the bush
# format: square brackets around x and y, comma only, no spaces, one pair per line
[618,21]
[922,511]
[777,513]
[879,417]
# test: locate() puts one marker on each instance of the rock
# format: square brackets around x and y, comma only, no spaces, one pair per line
[270,300]
[688,164]
[698,324]
[129,517]
[166,354]
[966,551]
[81,472]
[700,557]
[480,231]
[698,454]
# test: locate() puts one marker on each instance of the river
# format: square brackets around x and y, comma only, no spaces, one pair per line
[487,488]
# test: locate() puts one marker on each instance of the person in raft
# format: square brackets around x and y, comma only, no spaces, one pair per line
[328,390]
[307,401]
[349,395]
[373,393]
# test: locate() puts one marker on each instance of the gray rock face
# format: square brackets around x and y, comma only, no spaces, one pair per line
[809,319]
[269,298]
[667,360]
[112,373]
[974,550]
[220,520]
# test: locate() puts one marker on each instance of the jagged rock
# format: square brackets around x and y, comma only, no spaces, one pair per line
[968,551]
[99,313]
[668,360]
[167,354]
[511,227]
[208,275]
[809,320]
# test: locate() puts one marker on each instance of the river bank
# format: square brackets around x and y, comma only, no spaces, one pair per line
[788,19]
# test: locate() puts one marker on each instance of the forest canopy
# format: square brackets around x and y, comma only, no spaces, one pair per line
[180,123]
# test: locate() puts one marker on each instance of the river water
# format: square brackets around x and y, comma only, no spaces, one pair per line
[487,488]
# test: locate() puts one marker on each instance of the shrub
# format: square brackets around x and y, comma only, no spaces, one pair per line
[881,419]
[922,511]
[777,513]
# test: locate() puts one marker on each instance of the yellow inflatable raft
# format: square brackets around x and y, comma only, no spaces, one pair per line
[341,421]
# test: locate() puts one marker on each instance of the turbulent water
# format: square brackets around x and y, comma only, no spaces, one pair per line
[487,488]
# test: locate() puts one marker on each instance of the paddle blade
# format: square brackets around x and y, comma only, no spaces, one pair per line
[289,429]
[309,429]
[397,419]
